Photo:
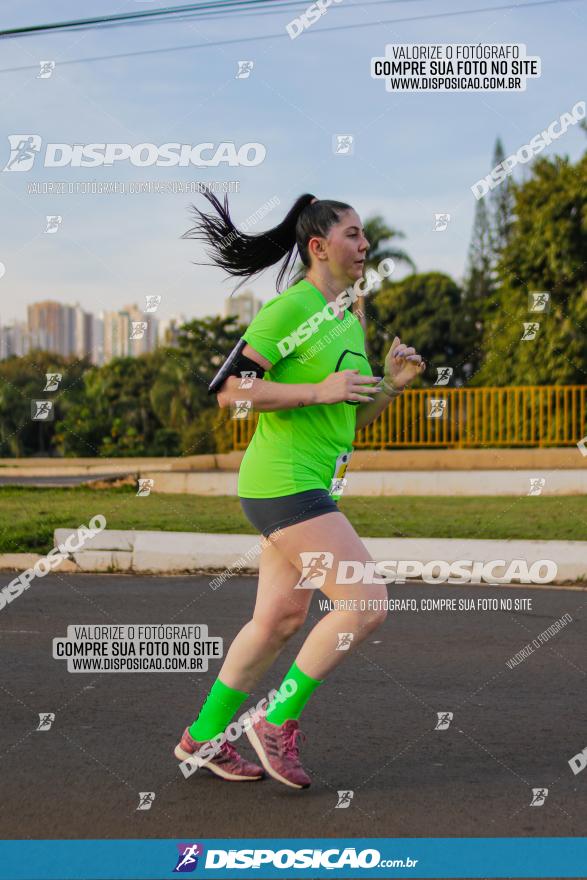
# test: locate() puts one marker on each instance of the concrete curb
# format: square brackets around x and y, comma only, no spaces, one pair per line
[155,552]
[19,562]
[394,483]
[399,459]
[396,472]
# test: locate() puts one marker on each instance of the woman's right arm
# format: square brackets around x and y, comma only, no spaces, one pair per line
[270,396]
[267,396]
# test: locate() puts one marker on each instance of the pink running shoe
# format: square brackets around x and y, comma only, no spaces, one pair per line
[278,751]
[226,763]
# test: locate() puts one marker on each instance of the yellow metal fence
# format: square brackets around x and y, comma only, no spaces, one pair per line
[544,415]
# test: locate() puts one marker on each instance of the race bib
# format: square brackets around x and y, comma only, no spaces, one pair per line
[338,480]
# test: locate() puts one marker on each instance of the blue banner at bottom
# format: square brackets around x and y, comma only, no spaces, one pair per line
[288,858]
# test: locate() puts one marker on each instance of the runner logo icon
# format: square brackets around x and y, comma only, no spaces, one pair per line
[444,719]
[187,860]
[539,795]
[314,566]
[23,151]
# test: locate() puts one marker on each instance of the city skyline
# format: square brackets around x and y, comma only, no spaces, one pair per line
[66,329]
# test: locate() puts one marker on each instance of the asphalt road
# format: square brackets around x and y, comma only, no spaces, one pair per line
[371,729]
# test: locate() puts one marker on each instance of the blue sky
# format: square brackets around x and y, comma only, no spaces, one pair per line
[415,153]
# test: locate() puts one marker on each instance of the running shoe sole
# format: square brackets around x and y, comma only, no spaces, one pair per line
[257,745]
[182,755]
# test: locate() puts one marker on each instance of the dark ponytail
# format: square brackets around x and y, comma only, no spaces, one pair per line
[244,256]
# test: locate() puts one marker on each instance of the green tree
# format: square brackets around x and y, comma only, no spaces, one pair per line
[501,208]
[155,404]
[546,252]
[492,228]
[22,380]
[115,416]
[425,312]
[180,396]
[479,284]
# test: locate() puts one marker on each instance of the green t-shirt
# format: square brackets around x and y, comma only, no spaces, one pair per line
[293,450]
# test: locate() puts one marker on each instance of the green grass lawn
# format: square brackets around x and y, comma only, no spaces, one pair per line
[28,516]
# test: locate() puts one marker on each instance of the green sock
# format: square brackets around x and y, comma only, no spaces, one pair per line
[292,706]
[217,712]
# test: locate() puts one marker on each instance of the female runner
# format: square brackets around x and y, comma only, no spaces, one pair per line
[321,391]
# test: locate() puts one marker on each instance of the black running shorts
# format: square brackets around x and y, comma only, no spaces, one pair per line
[269,514]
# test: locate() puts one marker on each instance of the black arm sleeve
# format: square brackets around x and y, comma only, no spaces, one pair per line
[235,365]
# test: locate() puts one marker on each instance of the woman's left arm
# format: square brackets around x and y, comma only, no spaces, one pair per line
[402,365]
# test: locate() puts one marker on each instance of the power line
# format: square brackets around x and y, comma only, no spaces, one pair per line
[221,9]
[277,7]
[281,34]
[125,16]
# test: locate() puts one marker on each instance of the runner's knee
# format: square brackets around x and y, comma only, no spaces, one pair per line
[288,625]
[371,620]
[361,623]
[283,628]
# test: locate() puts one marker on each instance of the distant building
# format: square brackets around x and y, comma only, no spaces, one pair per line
[83,332]
[116,341]
[142,330]
[46,326]
[129,332]
[97,354]
[51,326]
[70,331]
[244,306]
[15,339]
[168,331]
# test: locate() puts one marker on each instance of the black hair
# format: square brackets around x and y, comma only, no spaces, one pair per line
[244,256]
